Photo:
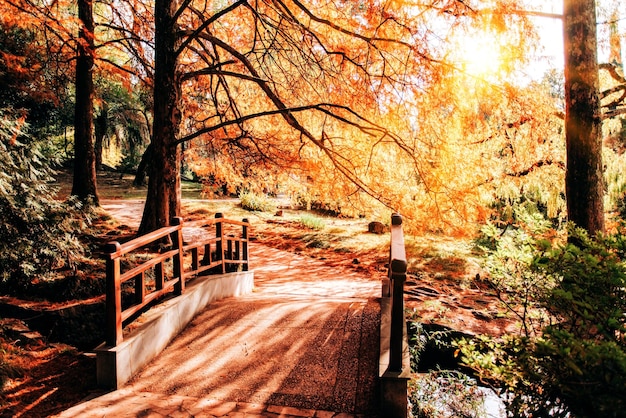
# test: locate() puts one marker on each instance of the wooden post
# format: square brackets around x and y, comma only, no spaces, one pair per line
[177,260]
[397,274]
[113,295]
[229,254]
[244,249]
[219,245]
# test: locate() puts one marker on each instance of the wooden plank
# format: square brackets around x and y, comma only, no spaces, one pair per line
[143,240]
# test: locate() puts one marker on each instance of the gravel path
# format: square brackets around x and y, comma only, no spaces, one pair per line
[307,337]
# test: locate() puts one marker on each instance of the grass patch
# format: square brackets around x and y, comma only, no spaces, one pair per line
[449,264]
[312,222]
[257,203]
[208,208]
[439,256]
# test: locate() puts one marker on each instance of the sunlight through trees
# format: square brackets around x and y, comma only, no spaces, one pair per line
[361,108]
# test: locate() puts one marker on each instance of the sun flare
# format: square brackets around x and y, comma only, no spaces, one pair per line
[480,55]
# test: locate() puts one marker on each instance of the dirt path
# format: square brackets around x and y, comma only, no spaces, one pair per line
[127,212]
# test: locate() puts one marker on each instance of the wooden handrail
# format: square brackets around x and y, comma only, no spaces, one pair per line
[397,276]
[145,240]
[231,254]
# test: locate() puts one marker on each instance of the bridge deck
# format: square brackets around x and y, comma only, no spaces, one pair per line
[304,343]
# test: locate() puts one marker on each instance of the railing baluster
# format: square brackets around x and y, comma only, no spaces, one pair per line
[229,252]
[177,260]
[195,264]
[244,236]
[159,276]
[219,245]
[207,258]
[140,288]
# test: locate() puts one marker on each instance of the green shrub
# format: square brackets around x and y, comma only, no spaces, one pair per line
[575,364]
[255,202]
[509,252]
[441,392]
[422,338]
[38,233]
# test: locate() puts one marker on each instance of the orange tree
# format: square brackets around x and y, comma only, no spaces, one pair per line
[34,70]
[343,95]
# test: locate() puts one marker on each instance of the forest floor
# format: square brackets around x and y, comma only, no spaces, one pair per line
[45,373]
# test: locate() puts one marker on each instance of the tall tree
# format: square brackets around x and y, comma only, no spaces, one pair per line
[84,185]
[584,182]
[163,199]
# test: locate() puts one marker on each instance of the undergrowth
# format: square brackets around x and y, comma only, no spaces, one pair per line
[568,291]
[441,391]
[38,235]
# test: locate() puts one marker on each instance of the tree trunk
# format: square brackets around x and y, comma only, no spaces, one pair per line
[143,167]
[84,184]
[584,183]
[101,127]
[163,198]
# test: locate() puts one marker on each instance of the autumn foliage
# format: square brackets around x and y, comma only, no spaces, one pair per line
[353,107]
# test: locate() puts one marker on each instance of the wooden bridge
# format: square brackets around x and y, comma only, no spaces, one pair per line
[303,339]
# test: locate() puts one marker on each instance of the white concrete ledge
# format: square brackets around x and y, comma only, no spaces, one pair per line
[116,365]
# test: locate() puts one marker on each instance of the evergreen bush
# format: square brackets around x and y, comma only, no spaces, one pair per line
[574,365]
[38,233]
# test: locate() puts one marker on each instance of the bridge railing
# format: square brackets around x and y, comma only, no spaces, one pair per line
[397,276]
[394,365]
[136,275]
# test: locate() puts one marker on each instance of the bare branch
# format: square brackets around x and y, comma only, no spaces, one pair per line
[191,37]
[613,71]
